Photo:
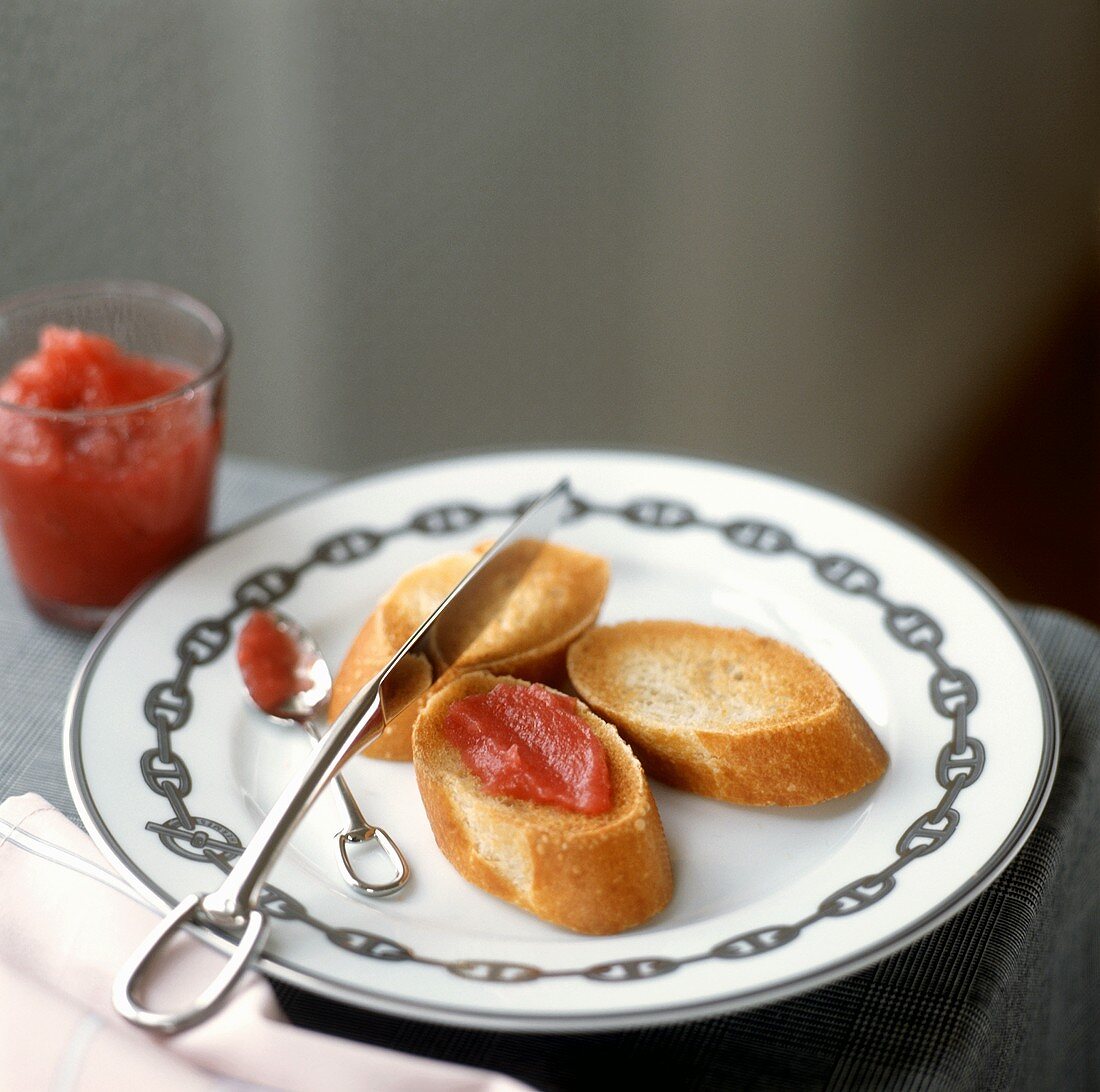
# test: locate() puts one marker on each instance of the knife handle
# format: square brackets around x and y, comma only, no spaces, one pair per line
[212,998]
[234,905]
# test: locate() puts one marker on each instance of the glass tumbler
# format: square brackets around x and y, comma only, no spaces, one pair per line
[105,492]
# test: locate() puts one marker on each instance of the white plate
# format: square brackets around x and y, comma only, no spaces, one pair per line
[768,901]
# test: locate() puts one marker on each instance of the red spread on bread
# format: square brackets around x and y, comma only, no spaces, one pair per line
[268,659]
[529,743]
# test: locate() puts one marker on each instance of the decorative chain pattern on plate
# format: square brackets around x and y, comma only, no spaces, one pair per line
[952,692]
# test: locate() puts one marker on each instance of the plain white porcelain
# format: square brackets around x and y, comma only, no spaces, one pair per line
[470,959]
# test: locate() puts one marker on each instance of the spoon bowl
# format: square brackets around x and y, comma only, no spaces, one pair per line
[310,703]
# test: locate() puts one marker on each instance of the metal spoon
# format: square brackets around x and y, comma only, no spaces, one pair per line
[302,708]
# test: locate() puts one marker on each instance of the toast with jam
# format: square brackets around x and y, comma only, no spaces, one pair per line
[557,599]
[726,713]
[548,832]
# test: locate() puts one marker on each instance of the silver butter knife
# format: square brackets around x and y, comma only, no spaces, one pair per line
[427,655]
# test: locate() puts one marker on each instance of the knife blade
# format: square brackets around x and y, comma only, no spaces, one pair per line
[427,656]
[470,607]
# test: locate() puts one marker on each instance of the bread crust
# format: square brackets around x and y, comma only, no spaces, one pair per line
[726,713]
[557,600]
[596,874]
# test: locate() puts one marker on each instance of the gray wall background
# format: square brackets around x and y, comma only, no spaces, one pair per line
[805,235]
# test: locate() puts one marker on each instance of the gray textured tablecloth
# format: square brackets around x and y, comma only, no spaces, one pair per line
[1004,996]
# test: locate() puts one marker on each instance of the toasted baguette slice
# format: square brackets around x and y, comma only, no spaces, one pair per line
[557,600]
[593,874]
[726,713]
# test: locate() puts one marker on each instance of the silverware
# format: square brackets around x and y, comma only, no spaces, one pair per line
[427,655]
[302,708]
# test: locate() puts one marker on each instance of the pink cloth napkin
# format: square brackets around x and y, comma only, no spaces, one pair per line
[67,922]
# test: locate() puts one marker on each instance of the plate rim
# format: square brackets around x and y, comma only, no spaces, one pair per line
[555,1021]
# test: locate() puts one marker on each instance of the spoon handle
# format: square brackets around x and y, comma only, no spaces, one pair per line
[360,831]
[360,723]
[356,819]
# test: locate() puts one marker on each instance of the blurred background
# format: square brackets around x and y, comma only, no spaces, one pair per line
[853,242]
